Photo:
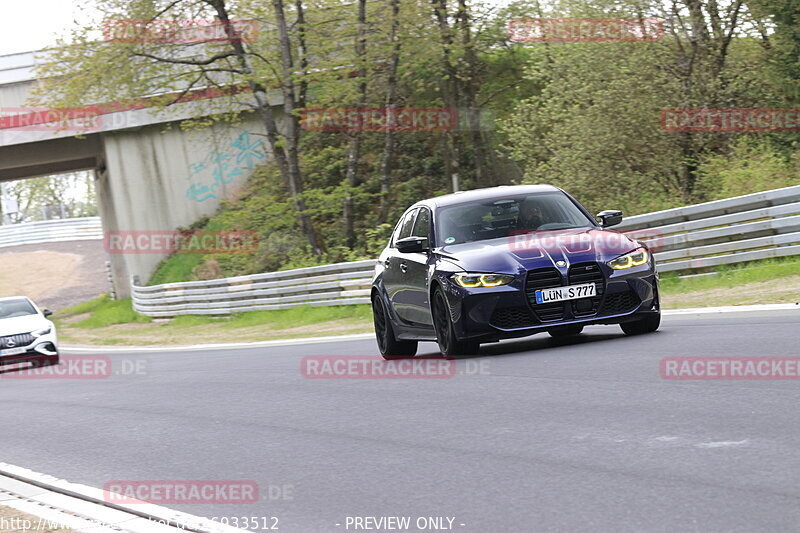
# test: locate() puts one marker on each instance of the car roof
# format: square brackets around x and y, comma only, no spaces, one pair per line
[485,194]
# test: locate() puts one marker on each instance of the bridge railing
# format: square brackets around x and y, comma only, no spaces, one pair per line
[62,230]
[734,230]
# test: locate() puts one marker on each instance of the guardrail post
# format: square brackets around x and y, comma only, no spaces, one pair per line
[112,292]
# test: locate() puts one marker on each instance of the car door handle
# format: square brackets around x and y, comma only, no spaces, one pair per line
[404,267]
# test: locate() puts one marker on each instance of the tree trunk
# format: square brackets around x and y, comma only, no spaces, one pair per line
[286,158]
[469,81]
[302,47]
[292,135]
[449,91]
[387,160]
[354,151]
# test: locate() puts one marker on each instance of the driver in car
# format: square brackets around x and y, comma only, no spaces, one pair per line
[530,215]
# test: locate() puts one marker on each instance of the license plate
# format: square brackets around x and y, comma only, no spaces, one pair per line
[12,351]
[558,294]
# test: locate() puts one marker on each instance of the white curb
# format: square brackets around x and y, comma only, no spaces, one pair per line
[731,309]
[85,508]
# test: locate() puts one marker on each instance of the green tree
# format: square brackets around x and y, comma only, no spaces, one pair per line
[595,127]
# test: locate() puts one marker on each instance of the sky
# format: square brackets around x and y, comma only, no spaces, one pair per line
[27,25]
[33,24]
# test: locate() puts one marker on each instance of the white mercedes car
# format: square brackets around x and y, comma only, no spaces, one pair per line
[26,334]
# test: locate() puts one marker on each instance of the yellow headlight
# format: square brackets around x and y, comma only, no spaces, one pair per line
[637,257]
[468,281]
[472,281]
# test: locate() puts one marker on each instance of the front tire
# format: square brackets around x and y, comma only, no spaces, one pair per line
[389,346]
[649,323]
[449,344]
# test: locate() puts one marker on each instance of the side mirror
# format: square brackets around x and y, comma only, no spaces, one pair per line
[411,245]
[610,217]
[47,313]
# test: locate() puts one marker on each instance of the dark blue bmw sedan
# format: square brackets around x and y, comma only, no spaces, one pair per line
[490,264]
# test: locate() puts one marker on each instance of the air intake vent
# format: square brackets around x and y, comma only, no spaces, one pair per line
[620,302]
[512,318]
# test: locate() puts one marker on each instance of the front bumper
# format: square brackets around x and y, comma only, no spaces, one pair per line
[489,314]
[35,348]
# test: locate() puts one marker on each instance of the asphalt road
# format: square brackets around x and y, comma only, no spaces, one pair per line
[533,435]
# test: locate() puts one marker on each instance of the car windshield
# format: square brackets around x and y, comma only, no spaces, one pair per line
[15,308]
[501,217]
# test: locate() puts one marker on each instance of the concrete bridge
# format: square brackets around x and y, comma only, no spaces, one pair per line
[150,174]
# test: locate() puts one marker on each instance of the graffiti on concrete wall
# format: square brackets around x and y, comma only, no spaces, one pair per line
[222,167]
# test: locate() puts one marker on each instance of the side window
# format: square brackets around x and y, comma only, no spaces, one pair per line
[422,227]
[395,233]
[405,226]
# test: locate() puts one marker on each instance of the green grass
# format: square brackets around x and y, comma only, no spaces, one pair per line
[733,275]
[86,307]
[176,267]
[180,266]
[300,316]
[279,319]
[195,320]
[105,312]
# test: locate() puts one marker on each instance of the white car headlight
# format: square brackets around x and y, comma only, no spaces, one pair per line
[44,331]
[638,257]
[471,281]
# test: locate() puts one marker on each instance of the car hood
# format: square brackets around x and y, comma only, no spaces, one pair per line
[22,324]
[538,249]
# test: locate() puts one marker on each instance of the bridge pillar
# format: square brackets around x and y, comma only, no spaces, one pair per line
[157,181]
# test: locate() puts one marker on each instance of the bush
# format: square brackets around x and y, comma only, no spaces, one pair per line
[747,168]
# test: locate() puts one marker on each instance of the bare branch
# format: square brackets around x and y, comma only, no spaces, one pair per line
[196,63]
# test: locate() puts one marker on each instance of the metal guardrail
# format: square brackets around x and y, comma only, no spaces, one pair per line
[68,229]
[745,228]
[735,230]
[337,284]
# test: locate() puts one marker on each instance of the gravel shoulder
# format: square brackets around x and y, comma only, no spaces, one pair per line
[774,291]
[55,275]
